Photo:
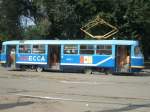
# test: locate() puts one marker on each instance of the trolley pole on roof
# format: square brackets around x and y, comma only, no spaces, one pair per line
[98,21]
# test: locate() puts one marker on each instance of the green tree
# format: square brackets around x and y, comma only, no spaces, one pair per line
[38,31]
[133,19]
[63,18]
[9,19]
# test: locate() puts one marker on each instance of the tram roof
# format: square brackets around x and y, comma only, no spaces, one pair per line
[55,42]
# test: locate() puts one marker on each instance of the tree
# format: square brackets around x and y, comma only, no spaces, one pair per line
[63,18]
[38,31]
[133,19]
[9,19]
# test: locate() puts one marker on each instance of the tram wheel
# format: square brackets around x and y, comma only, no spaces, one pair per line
[108,72]
[39,69]
[87,71]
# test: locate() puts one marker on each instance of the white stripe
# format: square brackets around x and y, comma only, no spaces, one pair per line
[137,57]
[78,64]
[104,60]
[31,62]
[80,100]
[45,97]
[73,82]
[99,63]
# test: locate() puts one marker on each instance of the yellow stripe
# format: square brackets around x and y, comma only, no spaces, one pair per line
[137,66]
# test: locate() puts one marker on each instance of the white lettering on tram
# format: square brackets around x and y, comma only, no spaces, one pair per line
[42,58]
[36,58]
[30,58]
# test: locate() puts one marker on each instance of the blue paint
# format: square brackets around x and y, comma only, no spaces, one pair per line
[137,61]
[35,58]
[3,58]
[96,60]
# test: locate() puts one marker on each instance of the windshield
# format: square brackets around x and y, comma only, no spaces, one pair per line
[137,51]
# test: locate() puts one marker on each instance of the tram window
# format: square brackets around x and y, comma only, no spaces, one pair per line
[3,49]
[38,49]
[24,48]
[86,49]
[70,49]
[137,51]
[104,49]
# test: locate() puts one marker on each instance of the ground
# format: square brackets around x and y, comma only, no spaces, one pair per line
[29,91]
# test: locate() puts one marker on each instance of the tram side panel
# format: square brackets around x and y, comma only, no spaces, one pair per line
[3,55]
[79,62]
[33,57]
[137,59]
[2,58]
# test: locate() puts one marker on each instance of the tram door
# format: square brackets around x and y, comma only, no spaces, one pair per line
[11,55]
[54,57]
[123,54]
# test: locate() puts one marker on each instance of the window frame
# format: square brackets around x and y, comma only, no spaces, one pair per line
[28,48]
[3,49]
[75,48]
[38,49]
[104,49]
[139,51]
[85,51]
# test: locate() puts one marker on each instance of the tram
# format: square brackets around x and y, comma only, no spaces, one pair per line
[73,55]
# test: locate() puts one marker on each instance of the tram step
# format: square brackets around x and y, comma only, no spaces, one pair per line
[55,68]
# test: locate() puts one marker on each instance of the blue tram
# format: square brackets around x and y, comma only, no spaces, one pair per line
[73,55]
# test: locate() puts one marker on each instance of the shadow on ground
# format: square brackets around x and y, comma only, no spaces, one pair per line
[140,74]
[127,108]
[13,105]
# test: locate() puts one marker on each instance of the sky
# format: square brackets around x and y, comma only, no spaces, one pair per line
[26,21]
